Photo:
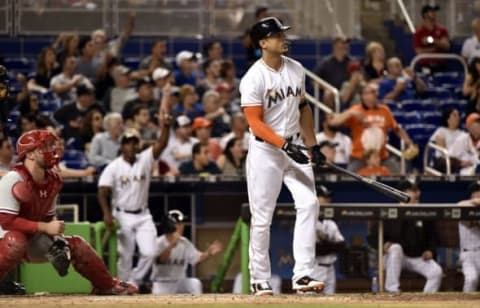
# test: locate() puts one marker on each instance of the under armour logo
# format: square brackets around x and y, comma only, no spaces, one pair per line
[43,194]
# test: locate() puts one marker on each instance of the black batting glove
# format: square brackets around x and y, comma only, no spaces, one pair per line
[317,156]
[295,153]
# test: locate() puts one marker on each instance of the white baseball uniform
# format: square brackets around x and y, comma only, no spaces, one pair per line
[170,277]
[327,230]
[280,94]
[469,233]
[130,185]
[343,149]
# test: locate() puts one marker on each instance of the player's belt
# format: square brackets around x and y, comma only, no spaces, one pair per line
[128,211]
[325,264]
[288,139]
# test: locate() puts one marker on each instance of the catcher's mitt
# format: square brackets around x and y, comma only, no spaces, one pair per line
[59,255]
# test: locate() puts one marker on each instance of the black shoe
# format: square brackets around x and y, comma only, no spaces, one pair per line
[306,284]
[261,288]
[11,288]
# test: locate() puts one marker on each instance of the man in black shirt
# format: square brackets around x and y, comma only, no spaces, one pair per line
[200,164]
[411,245]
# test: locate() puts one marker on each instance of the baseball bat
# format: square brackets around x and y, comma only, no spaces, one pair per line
[387,190]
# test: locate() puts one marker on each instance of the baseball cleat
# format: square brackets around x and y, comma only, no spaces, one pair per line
[307,284]
[8,287]
[261,288]
[119,288]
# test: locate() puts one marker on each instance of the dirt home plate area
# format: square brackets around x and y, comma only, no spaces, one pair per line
[448,300]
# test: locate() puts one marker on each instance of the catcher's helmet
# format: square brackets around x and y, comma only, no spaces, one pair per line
[38,138]
[173,217]
[265,28]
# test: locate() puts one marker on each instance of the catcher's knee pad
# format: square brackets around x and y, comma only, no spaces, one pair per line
[88,264]
[13,248]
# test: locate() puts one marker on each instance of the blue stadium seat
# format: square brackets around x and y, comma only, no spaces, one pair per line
[448,79]
[132,62]
[412,117]
[22,64]
[438,93]
[432,117]
[75,159]
[453,103]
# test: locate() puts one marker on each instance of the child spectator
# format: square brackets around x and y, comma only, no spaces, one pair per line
[373,164]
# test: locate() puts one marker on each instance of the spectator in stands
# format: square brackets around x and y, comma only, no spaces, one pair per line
[471,46]
[343,143]
[105,145]
[374,64]
[228,75]
[65,46]
[200,163]
[186,72]
[351,89]
[145,97]
[202,130]
[105,79]
[6,155]
[232,161]
[329,150]
[445,136]
[469,236]
[465,147]
[329,242]
[174,254]
[31,104]
[179,148]
[431,37]
[399,84]
[189,104]
[333,68]
[47,67]
[226,100]
[471,86]
[156,59]
[105,48]
[87,65]
[368,117]
[410,245]
[92,125]
[238,130]
[115,98]
[28,122]
[216,113]
[65,83]
[213,50]
[373,164]
[140,121]
[161,76]
[252,53]
[211,70]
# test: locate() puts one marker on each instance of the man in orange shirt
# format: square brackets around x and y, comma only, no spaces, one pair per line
[365,119]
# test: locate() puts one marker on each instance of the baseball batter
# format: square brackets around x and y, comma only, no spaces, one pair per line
[126,180]
[272,98]
[469,233]
[29,228]
[174,253]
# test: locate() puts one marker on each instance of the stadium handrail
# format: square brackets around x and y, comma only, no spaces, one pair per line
[408,20]
[441,150]
[319,81]
[450,56]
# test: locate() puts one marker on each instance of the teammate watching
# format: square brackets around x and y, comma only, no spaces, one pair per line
[174,254]
[272,98]
[469,233]
[124,184]
[28,221]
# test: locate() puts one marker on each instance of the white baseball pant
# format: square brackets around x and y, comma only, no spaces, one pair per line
[275,283]
[267,167]
[395,261]
[135,229]
[470,261]
[327,275]
[181,286]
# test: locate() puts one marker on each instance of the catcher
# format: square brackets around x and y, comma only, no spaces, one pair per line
[29,230]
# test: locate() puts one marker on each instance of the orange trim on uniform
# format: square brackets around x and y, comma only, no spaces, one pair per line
[254,115]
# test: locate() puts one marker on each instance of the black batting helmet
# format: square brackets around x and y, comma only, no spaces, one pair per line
[265,28]
[173,217]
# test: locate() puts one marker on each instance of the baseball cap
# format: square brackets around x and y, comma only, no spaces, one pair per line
[474,187]
[472,118]
[323,191]
[182,120]
[429,7]
[184,55]
[327,143]
[407,185]
[84,90]
[176,216]
[143,81]
[201,122]
[121,70]
[130,134]
[160,73]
